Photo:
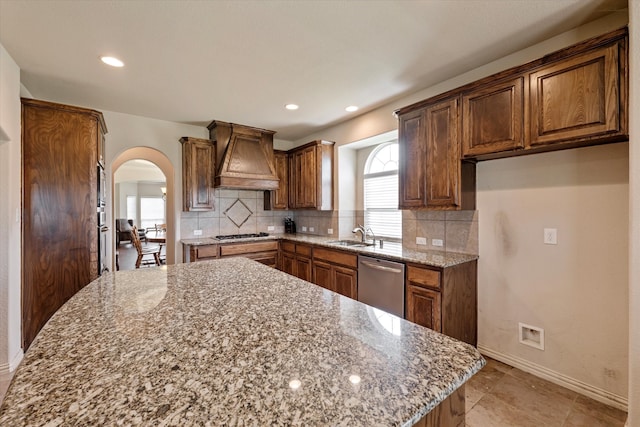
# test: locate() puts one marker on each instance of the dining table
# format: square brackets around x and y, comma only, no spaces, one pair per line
[157,236]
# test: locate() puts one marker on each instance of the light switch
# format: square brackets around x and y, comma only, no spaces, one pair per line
[304,228]
[329,230]
[197,232]
[550,236]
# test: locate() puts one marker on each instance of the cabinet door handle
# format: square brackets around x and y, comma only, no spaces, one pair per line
[381,267]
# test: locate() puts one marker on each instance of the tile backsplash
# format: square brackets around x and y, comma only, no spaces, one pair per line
[236,212]
[458,230]
[242,211]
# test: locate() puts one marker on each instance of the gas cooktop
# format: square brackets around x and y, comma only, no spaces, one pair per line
[241,236]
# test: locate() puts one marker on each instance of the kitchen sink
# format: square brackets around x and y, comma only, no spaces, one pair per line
[351,243]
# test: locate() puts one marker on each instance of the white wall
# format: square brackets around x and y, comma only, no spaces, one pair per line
[10,184]
[122,190]
[575,290]
[128,131]
[590,373]
[634,215]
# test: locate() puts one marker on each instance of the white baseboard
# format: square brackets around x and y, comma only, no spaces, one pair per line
[11,366]
[578,386]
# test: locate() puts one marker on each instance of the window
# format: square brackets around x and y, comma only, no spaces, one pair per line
[151,211]
[381,192]
[132,201]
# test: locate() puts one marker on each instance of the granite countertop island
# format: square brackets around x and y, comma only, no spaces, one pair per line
[229,342]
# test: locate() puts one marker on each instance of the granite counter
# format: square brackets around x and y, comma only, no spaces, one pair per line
[391,250]
[229,342]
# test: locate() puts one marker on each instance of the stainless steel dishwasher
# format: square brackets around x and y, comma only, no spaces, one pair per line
[381,284]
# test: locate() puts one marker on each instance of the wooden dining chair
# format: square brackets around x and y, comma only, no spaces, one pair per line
[149,251]
[162,227]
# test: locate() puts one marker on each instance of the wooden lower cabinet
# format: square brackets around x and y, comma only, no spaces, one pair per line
[444,299]
[336,271]
[345,281]
[423,307]
[287,262]
[202,253]
[263,252]
[449,413]
[322,275]
[303,268]
[335,278]
[295,259]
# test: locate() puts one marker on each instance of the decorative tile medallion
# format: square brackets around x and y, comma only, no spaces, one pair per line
[238,213]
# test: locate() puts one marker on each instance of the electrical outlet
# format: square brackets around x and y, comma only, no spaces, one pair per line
[550,236]
[270,228]
[533,336]
[437,242]
[304,228]
[329,230]
[197,232]
[311,229]
[421,240]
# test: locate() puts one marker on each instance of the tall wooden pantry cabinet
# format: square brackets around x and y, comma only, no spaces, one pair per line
[61,146]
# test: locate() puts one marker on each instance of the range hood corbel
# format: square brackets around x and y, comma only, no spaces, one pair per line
[244,157]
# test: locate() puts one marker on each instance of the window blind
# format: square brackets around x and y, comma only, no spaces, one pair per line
[381,205]
[151,211]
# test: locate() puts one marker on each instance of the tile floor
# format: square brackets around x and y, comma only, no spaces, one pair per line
[502,396]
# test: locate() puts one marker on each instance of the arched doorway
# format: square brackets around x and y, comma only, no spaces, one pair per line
[161,161]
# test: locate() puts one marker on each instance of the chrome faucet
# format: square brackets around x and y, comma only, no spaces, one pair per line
[363,231]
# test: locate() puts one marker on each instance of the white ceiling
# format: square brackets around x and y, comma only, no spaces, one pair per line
[141,171]
[242,61]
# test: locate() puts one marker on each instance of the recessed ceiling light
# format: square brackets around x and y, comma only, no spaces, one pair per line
[291,107]
[351,108]
[110,60]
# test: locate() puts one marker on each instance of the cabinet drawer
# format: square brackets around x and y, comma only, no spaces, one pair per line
[245,248]
[266,258]
[288,247]
[303,250]
[207,251]
[423,276]
[336,257]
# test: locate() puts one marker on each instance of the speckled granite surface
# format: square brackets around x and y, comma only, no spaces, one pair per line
[390,250]
[229,342]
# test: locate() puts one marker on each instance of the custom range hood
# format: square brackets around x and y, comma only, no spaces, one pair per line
[244,157]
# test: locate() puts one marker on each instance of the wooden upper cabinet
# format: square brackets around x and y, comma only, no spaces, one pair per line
[198,168]
[493,118]
[311,176]
[431,174]
[577,98]
[279,198]
[574,97]
[412,160]
[443,155]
